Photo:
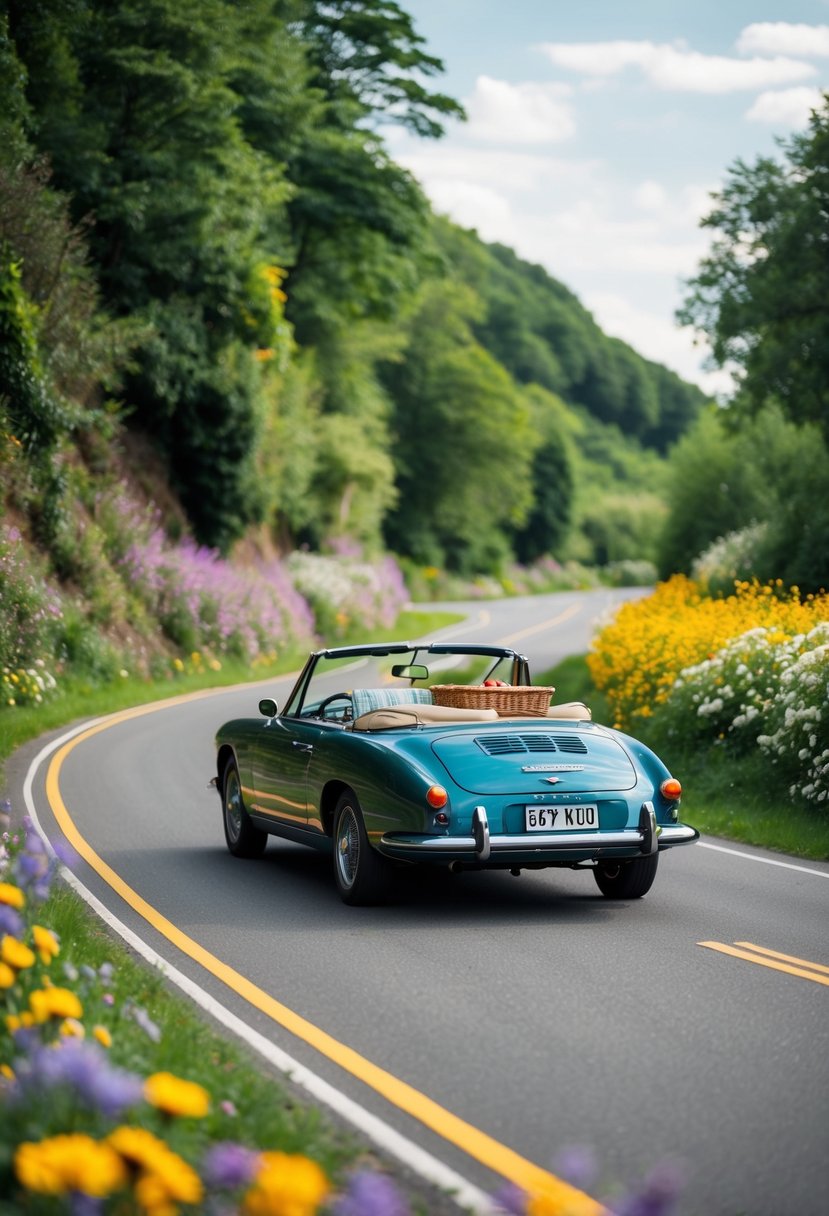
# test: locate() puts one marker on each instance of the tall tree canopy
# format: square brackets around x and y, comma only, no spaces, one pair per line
[762,294]
[310,347]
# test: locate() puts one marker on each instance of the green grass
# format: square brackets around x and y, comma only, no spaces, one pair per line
[740,798]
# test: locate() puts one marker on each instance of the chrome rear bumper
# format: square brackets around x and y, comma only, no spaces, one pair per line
[482,846]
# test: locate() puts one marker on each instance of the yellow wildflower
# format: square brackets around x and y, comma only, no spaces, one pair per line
[69,1163]
[11,895]
[52,1002]
[71,1028]
[176,1097]
[166,1179]
[16,1021]
[46,943]
[16,953]
[286,1185]
[7,1072]
[102,1035]
[7,975]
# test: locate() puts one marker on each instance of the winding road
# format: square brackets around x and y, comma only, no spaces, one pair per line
[479,1024]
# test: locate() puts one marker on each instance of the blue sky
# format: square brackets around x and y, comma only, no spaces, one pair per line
[597,132]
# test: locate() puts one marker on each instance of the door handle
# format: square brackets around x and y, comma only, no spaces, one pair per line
[303,747]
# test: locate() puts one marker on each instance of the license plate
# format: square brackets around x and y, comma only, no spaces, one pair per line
[562,818]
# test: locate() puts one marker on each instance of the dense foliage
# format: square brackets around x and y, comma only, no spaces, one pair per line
[746,672]
[760,298]
[271,299]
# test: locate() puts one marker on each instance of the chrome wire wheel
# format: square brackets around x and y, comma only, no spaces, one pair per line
[361,874]
[243,838]
[348,846]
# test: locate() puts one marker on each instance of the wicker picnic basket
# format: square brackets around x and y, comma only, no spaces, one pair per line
[519,701]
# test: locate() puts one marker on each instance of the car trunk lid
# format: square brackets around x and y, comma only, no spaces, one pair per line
[529,759]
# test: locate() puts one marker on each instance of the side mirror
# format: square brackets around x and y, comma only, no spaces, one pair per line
[268,708]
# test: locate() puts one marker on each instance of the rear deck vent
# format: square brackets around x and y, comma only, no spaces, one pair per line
[571,743]
[506,745]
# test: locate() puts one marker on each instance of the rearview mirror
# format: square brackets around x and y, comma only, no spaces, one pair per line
[410,671]
[268,708]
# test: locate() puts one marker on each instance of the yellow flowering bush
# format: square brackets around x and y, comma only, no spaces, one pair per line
[637,658]
[749,671]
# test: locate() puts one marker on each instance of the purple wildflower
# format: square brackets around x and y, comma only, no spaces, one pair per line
[370,1194]
[85,1205]
[511,1199]
[66,855]
[228,1165]
[85,1068]
[656,1196]
[10,922]
[143,1019]
[577,1164]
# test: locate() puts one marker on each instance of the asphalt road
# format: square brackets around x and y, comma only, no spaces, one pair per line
[531,1009]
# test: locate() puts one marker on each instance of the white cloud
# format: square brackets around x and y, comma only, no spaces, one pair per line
[526,113]
[783,38]
[473,206]
[675,67]
[650,196]
[520,172]
[785,107]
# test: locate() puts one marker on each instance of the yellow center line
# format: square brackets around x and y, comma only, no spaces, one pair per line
[450,1127]
[786,958]
[774,960]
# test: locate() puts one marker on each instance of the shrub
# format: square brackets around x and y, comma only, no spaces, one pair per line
[796,720]
[637,658]
[345,592]
[32,611]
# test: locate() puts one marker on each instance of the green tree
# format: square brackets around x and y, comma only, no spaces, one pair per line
[767,471]
[463,441]
[368,57]
[762,294]
[549,518]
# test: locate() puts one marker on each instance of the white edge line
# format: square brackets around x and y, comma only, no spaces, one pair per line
[465,1193]
[766,861]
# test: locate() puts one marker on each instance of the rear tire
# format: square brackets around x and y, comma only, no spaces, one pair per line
[361,874]
[243,838]
[626,879]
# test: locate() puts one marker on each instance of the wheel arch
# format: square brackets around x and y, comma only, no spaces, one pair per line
[331,794]
[224,754]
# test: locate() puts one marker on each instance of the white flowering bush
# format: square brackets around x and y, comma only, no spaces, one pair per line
[730,693]
[762,689]
[347,592]
[797,723]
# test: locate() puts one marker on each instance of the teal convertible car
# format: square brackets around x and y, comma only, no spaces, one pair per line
[443,755]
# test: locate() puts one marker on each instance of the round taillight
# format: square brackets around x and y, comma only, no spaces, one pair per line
[670,788]
[437,796]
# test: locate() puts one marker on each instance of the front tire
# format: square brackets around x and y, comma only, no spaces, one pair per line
[243,838]
[626,879]
[361,874]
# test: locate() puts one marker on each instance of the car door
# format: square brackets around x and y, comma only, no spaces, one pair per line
[281,756]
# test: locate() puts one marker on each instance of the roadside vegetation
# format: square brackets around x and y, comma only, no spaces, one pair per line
[254,396]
